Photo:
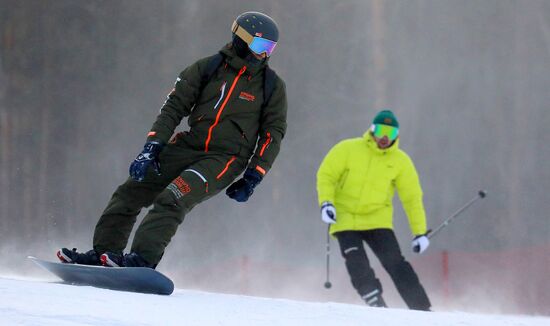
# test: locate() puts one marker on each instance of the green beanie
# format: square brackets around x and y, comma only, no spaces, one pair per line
[386,117]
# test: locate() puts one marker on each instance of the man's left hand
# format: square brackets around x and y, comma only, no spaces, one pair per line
[243,188]
[420,243]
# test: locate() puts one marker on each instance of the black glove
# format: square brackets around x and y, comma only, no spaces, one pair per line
[243,188]
[149,155]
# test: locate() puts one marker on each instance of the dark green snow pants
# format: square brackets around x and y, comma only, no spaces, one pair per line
[188,177]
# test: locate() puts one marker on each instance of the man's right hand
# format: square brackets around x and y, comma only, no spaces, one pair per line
[149,155]
[328,213]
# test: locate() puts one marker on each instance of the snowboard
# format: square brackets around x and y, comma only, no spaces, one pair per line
[133,279]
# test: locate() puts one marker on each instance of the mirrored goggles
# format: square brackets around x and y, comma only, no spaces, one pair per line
[380,130]
[256,44]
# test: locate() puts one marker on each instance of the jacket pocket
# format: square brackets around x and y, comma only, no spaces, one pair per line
[222,94]
[226,168]
[212,92]
[240,129]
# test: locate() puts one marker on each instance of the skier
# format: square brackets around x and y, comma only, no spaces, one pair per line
[237,116]
[355,185]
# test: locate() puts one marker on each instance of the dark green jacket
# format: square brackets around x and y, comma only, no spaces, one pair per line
[227,116]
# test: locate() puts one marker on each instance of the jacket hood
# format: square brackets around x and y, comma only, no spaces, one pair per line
[368,137]
[237,62]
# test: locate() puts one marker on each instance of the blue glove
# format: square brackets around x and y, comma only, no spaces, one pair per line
[243,188]
[149,155]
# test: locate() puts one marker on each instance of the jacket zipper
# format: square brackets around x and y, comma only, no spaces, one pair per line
[363,186]
[226,167]
[222,107]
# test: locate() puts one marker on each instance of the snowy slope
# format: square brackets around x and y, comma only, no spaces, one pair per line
[34,302]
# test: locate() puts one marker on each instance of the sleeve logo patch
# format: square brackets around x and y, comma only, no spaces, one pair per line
[247,96]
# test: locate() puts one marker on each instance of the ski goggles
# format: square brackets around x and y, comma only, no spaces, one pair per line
[380,130]
[257,44]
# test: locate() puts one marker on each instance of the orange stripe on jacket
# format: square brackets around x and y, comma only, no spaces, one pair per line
[264,146]
[243,69]
[226,167]
[260,169]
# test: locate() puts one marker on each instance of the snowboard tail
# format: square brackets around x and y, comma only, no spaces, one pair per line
[133,279]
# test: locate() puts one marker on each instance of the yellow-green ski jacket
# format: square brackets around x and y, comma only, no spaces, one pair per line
[360,179]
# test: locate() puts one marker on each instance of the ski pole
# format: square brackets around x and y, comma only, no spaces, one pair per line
[328,285]
[480,194]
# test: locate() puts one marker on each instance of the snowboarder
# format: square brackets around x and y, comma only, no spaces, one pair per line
[237,116]
[355,184]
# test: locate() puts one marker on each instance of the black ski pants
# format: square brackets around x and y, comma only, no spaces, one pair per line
[385,246]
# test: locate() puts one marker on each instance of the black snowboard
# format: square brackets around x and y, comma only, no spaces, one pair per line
[133,279]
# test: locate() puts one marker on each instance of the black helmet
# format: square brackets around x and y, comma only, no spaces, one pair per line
[257,30]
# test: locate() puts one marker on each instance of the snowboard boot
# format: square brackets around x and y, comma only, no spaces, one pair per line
[68,256]
[374,299]
[111,259]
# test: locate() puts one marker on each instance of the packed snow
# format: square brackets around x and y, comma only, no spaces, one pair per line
[48,302]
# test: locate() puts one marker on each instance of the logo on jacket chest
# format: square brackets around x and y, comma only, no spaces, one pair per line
[247,97]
